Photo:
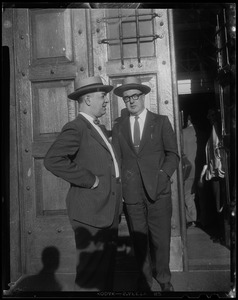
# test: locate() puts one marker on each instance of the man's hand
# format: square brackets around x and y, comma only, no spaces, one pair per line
[96,183]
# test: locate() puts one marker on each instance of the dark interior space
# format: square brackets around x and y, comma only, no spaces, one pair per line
[197,30]
[197,106]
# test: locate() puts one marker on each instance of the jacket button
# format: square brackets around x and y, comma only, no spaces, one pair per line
[113,193]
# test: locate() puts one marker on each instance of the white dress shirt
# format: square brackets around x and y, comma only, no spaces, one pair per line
[141,121]
[99,130]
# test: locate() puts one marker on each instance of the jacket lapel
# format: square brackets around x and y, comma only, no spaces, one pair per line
[94,133]
[126,132]
[148,129]
[147,132]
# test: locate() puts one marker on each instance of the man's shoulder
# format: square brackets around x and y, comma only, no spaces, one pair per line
[120,121]
[157,117]
[78,122]
[189,129]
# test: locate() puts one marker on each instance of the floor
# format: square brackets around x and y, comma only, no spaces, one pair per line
[209,272]
[209,267]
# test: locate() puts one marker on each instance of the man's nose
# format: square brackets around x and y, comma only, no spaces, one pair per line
[132,100]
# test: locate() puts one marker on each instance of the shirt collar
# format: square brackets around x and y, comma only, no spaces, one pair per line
[142,115]
[88,117]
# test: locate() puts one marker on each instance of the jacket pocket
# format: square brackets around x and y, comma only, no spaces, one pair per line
[163,185]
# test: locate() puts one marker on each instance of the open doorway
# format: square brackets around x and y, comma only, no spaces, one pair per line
[210,215]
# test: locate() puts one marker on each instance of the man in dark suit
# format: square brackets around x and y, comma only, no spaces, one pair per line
[146,144]
[83,156]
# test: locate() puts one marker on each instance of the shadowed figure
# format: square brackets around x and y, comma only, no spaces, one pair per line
[45,280]
[95,248]
[213,177]
[190,150]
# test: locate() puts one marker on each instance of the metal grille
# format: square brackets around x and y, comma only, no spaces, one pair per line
[116,5]
[124,29]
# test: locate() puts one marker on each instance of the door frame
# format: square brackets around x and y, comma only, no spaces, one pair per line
[14,240]
[178,128]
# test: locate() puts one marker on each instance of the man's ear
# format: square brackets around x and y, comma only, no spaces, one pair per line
[87,99]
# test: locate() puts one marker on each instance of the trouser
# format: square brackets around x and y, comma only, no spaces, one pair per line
[190,206]
[149,223]
[96,254]
[218,192]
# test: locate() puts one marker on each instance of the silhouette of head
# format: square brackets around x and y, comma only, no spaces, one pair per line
[50,259]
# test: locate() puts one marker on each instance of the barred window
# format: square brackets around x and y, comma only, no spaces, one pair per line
[130,33]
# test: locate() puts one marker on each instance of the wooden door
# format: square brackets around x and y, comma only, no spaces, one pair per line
[128,42]
[55,47]
[51,52]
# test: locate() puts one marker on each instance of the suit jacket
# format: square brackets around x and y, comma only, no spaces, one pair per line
[77,155]
[158,151]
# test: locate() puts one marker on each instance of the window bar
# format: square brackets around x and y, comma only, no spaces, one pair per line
[138,38]
[121,40]
[153,36]
[153,15]
[141,20]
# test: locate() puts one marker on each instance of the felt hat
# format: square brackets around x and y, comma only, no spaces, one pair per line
[131,83]
[89,85]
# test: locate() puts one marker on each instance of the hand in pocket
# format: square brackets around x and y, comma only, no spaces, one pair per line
[162,183]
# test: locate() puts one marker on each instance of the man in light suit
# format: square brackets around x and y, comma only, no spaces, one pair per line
[83,156]
[190,150]
[147,147]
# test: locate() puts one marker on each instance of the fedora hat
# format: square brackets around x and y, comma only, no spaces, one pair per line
[89,85]
[131,83]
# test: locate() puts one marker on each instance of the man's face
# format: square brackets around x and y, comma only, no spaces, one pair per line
[135,107]
[98,102]
[212,116]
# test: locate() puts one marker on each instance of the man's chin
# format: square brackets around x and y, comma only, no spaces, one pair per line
[133,111]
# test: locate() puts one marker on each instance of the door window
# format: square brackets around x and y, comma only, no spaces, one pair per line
[130,33]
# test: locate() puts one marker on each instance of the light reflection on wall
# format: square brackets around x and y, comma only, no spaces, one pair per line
[184,87]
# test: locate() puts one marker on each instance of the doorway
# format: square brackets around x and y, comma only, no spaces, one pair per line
[209,216]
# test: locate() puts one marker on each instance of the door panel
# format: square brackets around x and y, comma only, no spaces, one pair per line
[51,109]
[52,32]
[47,66]
[49,201]
[54,48]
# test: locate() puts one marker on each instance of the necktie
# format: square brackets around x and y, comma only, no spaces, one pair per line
[96,121]
[136,134]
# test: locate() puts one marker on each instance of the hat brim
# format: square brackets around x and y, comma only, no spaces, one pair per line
[131,86]
[89,89]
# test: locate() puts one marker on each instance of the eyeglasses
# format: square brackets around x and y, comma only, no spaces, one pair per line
[133,97]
